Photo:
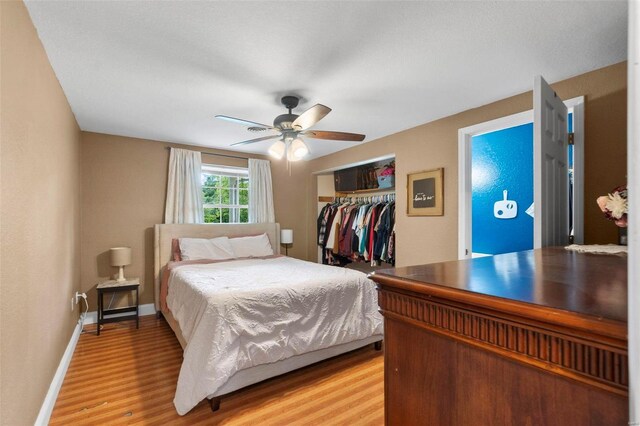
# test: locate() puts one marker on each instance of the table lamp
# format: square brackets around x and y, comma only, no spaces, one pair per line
[286,238]
[120,256]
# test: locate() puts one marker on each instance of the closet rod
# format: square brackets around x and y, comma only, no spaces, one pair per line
[217,155]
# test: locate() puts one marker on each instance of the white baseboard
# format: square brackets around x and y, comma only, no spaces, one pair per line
[148,309]
[52,395]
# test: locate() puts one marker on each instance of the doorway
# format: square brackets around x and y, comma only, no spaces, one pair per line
[502,191]
[495,172]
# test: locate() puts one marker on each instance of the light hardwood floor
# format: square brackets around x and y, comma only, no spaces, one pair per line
[128,376]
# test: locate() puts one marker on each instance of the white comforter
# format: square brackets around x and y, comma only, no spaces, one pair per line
[239,314]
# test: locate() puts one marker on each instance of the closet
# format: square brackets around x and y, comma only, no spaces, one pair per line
[356,225]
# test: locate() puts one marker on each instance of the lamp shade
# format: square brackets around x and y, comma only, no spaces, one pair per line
[120,256]
[297,150]
[277,149]
[286,236]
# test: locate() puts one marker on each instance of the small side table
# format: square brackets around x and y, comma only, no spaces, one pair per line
[113,286]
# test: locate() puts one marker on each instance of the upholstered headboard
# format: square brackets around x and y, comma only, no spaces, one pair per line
[164,234]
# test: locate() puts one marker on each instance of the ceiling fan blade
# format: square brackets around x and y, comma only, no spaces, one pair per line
[264,138]
[310,117]
[243,122]
[334,136]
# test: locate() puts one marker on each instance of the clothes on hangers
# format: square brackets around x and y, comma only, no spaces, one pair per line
[358,229]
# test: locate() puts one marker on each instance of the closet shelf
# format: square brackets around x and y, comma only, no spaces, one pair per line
[367,191]
[383,191]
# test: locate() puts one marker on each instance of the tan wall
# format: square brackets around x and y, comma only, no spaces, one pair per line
[290,193]
[433,145]
[40,216]
[123,196]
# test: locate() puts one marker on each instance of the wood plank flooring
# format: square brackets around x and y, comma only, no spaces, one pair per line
[128,376]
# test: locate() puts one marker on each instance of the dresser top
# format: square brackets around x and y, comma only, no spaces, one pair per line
[591,285]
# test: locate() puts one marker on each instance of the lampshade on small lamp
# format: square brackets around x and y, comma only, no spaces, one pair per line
[120,256]
[286,238]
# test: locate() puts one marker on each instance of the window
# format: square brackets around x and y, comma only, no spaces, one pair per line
[225,194]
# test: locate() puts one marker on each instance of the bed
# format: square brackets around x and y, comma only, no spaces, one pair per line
[204,310]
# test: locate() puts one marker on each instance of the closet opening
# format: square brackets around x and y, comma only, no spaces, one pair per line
[356,215]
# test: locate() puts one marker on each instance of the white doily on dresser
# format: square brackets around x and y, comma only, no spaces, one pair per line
[598,248]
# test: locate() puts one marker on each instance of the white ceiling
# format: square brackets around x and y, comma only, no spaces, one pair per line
[162,70]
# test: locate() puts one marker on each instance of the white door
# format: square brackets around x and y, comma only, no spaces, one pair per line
[633,159]
[550,179]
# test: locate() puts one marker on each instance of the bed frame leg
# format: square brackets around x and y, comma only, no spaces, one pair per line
[215,403]
[377,345]
[158,314]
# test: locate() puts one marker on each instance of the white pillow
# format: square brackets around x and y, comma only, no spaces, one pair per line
[251,246]
[202,248]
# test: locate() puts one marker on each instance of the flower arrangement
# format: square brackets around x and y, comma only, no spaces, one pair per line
[615,206]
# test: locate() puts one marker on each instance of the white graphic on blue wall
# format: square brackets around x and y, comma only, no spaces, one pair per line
[505,209]
[530,210]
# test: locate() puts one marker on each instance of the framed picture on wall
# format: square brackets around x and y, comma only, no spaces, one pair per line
[425,194]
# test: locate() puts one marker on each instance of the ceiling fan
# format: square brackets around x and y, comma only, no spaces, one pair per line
[291,127]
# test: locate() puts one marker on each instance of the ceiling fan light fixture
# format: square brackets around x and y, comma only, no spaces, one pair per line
[290,127]
[277,149]
[298,150]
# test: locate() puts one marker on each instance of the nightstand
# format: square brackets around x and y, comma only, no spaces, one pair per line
[113,286]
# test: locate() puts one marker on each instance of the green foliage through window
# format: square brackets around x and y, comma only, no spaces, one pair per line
[225,196]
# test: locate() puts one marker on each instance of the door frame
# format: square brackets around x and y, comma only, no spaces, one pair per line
[576,106]
[633,159]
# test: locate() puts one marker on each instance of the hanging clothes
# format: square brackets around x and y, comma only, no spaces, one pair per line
[358,230]
[383,232]
[346,231]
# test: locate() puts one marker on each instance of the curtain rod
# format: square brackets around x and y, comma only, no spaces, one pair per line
[217,155]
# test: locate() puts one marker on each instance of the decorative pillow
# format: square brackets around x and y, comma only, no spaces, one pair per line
[202,248]
[252,246]
[175,250]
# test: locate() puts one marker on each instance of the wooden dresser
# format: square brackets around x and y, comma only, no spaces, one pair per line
[530,338]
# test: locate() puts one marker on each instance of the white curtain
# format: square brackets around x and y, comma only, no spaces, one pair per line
[184,188]
[260,192]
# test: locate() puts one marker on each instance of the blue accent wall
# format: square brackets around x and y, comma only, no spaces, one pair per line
[502,160]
